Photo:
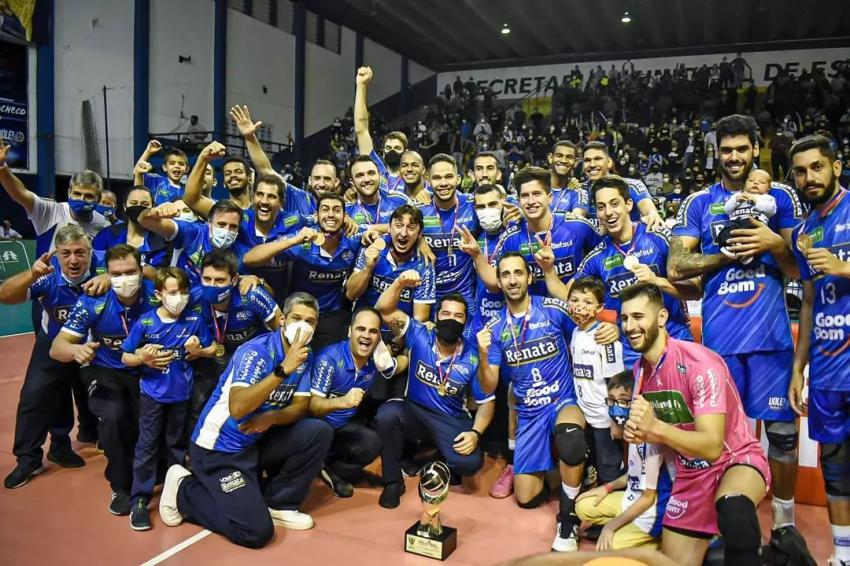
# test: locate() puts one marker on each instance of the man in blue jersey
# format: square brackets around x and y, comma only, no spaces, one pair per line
[442,375]
[609,261]
[233,318]
[572,238]
[412,173]
[822,249]
[193,240]
[323,257]
[597,163]
[443,222]
[380,264]
[743,308]
[180,333]
[92,337]
[255,423]
[528,347]
[46,394]
[568,196]
[342,375]
[372,208]
[395,143]
[175,164]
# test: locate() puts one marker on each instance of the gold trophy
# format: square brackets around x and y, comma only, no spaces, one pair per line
[428,537]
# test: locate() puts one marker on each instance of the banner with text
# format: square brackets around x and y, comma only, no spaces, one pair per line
[14,104]
[517,82]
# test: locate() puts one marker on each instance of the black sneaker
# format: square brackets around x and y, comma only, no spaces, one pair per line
[391,496]
[120,504]
[65,457]
[566,536]
[787,546]
[20,476]
[410,469]
[339,486]
[140,518]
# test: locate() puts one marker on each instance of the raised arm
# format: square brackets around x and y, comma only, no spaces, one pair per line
[361,111]
[488,375]
[387,303]
[15,289]
[11,184]
[143,162]
[263,253]
[193,196]
[248,128]
[358,282]
[159,219]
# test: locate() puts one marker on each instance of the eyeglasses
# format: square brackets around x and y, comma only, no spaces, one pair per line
[611,402]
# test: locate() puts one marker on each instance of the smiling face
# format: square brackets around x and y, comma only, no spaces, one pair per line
[534,199]
[613,211]
[175,166]
[235,176]
[411,168]
[597,164]
[642,322]
[736,157]
[331,214]
[267,201]
[365,333]
[444,179]
[486,170]
[513,278]
[323,180]
[562,160]
[366,179]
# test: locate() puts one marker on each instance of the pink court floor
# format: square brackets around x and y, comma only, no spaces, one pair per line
[60,517]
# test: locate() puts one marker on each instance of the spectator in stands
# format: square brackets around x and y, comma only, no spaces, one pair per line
[9,233]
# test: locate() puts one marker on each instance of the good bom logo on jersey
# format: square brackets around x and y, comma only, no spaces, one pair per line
[741,280]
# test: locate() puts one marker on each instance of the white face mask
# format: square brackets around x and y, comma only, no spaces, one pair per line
[175,304]
[490,218]
[126,285]
[222,237]
[292,329]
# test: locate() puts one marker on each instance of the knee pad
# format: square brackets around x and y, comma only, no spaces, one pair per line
[571,443]
[534,502]
[738,522]
[782,439]
[835,463]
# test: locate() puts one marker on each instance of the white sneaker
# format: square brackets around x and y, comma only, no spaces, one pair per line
[566,537]
[291,519]
[168,511]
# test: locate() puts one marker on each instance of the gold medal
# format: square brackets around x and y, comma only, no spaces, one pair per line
[319,239]
[219,351]
[804,243]
[379,244]
[441,389]
[631,262]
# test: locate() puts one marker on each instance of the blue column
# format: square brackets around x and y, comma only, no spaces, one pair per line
[405,76]
[44,79]
[141,76]
[220,71]
[300,31]
[358,51]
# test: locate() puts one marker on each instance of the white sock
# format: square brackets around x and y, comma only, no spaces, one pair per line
[841,540]
[512,444]
[783,512]
[570,491]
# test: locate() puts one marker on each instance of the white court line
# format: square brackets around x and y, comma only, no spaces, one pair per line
[177,548]
[18,334]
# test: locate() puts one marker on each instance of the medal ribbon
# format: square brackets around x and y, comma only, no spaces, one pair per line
[444,377]
[219,332]
[523,330]
[633,243]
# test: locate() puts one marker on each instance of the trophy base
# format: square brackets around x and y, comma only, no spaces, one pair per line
[439,548]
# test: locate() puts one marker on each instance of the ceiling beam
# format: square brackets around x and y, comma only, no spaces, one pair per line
[422,35]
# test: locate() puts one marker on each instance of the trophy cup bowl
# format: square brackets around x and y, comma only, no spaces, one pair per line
[428,537]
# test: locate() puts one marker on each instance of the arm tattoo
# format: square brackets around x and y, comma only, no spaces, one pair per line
[397,323]
[683,263]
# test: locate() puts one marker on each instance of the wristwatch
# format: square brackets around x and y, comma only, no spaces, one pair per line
[279,372]
[478,434]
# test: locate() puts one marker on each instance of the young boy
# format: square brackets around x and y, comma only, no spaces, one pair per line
[164,341]
[175,164]
[753,203]
[630,507]
[593,365]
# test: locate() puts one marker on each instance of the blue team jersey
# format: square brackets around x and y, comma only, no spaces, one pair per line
[154,250]
[334,374]
[606,263]
[389,183]
[829,351]
[300,202]
[162,189]
[321,274]
[454,268]
[637,191]
[378,213]
[537,363]
[253,361]
[386,271]
[275,271]
[488,304]
[191,243]
[57,296]
[109,322]
[572,239]
[174,383]
[753,293]
[566,200]
[429,374]
[246,316]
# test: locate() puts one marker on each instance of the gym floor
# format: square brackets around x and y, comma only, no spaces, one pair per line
[60,517]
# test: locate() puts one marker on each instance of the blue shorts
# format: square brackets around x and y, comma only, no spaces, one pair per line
[534,450]
[829,416]
[763,379]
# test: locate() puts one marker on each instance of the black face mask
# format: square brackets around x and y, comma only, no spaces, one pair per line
[392,158]
[132,212]
[449,330]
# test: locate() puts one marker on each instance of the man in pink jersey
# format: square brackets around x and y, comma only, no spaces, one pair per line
[686,399]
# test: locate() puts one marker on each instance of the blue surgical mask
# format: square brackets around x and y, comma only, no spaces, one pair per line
[215,295]
[80,206]
[105,209]
[222,237]
[618,414]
